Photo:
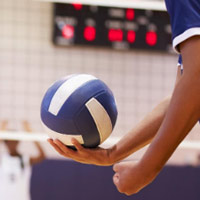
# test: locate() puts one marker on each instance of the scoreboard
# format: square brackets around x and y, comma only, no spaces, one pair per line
[118,28]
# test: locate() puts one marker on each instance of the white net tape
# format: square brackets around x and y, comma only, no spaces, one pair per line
[187,152]
[23,136]
[42,137]
[138,4]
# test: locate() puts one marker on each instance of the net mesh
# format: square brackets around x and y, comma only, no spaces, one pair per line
[30,63]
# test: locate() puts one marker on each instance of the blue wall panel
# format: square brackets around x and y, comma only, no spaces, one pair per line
[68,180]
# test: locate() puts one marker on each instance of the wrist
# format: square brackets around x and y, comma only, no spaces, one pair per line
[149,171]
[115,154]
[111,152]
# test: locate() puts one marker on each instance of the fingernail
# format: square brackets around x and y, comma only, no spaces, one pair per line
[56,141]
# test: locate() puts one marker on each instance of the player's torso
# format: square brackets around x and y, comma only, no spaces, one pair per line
[14,178]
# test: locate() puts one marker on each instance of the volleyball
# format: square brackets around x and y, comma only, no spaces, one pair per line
[79,106]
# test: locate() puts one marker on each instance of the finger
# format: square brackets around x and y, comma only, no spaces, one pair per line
[77,145]
[116,179]
[117,183]
[116,167]
[55,146]
[65,149]
[49,140]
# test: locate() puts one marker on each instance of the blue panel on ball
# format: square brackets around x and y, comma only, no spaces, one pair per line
[87,128]
[80,96]
[58,124]
[108,102]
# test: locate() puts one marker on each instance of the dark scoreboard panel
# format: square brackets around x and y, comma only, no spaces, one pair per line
[119,28]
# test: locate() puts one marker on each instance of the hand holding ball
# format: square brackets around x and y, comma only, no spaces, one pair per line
[79,106]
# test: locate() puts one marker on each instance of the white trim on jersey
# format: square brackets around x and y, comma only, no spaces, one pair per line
[184,36]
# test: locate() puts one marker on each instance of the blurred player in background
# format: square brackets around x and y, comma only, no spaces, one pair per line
[168,123]
[15,168]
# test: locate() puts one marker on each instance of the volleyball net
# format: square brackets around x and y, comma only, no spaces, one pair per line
[30,63]
[186,153]
[42,137]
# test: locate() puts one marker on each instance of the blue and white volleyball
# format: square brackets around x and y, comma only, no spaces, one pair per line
[79,106]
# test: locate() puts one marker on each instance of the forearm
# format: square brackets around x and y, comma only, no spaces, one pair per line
[40,157]
[142,134]
[182,114]
[41,152]
[183,111]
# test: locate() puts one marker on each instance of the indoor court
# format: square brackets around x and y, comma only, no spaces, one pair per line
[126,44]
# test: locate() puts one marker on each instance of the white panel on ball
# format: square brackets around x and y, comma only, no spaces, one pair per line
[66,89]
[101,118]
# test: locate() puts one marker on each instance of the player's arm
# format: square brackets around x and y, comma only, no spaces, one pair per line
[137,138]
[143,133]
[41,155]
[4,126]
[181,116]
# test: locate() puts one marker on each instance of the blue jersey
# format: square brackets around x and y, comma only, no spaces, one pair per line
[185,19]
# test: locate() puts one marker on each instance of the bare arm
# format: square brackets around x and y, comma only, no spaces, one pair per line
[183,112]
[41,155]
[181,116]
[4,126]
[142,134]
